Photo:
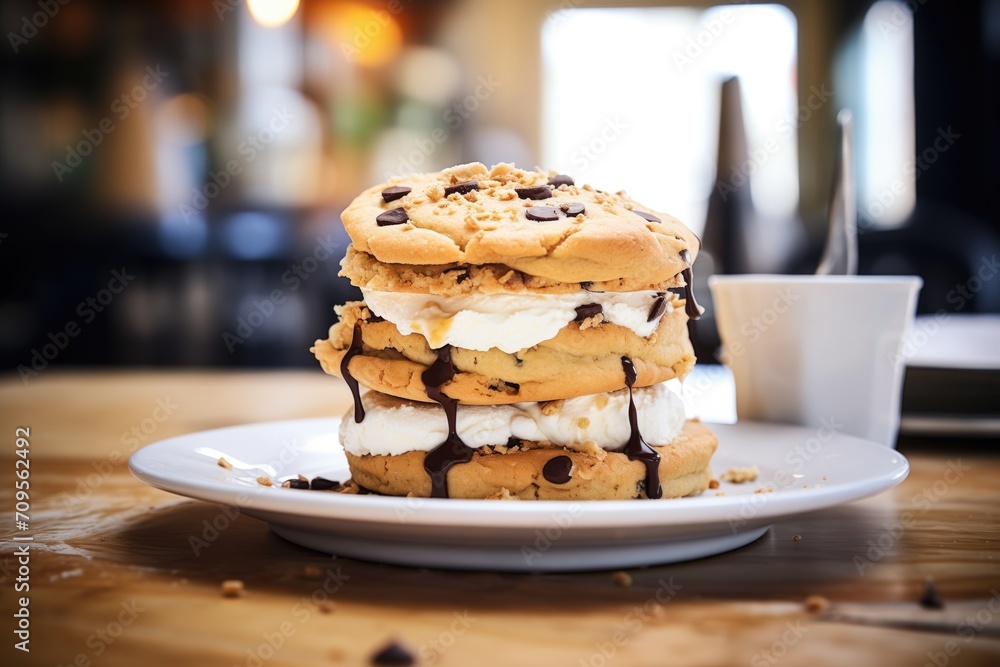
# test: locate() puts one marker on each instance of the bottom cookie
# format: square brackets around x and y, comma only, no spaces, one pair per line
[531,471]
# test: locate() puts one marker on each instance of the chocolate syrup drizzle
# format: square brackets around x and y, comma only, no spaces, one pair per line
[352,351]
[636,449]
[690,305]
[453,450]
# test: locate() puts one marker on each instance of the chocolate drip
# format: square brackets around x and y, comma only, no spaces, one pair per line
[453,450]
[352,351]
[690,305]
[636,449]
[587,310]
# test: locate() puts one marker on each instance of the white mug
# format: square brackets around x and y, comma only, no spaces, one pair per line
[817,350]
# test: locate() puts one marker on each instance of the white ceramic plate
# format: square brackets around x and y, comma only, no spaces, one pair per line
[808,469]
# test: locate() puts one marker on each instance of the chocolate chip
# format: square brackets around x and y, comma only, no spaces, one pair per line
[931,599]
[323,484]
[461,188]
[513,386]
[536,192]
[365,491]
[659,306]
[296,483]
[557,470]
[374,319]
[513,442]
[393,653]
[686,256]
[542,213]
[573,210]
[587,310]
[518,362]
[462,276]
[561,179]
[396,216]
[647,216]
[587,284]
[392,194]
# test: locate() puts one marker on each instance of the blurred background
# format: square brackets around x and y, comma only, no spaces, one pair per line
[173,172]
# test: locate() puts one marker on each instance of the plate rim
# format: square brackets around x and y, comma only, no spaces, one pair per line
[445,512]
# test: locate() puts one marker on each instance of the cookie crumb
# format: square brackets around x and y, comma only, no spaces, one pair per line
[796,538]
[550,408]
[764,489]
[503,494]
[713,484]
[720,493]
[393,653]
[592,322]
[264,480]
[232,588]
[223,463]
[824,478]
[816,604]
[326,607]
[741,475]
[590,448]
[623,579]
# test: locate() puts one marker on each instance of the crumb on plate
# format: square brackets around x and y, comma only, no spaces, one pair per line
[741,475]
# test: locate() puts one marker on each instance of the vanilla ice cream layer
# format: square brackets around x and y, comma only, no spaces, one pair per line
[509,322]
[395,426]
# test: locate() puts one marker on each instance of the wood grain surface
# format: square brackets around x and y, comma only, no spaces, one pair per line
[114,580]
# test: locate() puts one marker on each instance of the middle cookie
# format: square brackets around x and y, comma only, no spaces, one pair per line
[549,347]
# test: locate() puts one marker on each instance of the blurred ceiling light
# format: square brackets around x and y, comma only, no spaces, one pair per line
[887,163]
[365,36]
[272,13]
[428,75]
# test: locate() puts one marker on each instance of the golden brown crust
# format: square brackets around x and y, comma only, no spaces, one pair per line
[610,241]
[684,470]
[577,362]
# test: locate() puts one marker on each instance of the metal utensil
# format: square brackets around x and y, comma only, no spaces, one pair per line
[840,257]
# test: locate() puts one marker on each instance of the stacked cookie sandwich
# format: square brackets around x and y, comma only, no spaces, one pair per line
[515,335]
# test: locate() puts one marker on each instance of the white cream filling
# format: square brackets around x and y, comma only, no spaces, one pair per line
[395,426]
[509,322]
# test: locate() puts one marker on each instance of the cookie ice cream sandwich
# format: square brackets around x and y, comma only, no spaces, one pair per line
[515,334]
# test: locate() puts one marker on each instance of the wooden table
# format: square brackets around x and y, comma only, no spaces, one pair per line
[114,580]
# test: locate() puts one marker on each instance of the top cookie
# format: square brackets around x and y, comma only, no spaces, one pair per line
[538,223]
